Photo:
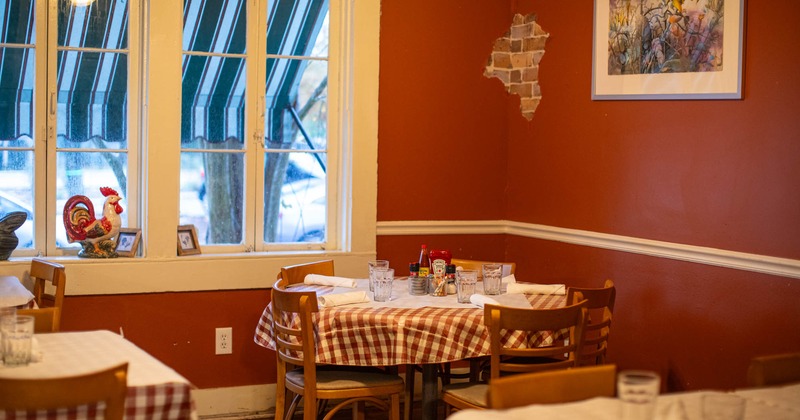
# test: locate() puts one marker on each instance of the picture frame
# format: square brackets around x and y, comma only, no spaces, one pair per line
[187,240]
[668,50]
[127,242]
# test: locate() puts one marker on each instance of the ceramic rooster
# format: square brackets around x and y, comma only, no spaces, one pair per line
[95,235]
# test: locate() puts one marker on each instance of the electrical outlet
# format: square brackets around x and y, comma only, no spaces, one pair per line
[224,341]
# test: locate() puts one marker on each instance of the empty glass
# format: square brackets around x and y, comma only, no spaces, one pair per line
[17,334]
[372,266]
[382,284]
[638,390]
[465,284]
[492,278]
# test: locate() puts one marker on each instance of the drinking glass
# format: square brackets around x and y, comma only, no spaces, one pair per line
[465,284]
[638,390]
[10,312]
[492,278]
[17,334]
[383,284]
[372,266]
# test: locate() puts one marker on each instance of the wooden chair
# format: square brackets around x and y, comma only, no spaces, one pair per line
[601,308]
[508,267]
[556,386]
[109,386]
[44,273]
[293,326]
[45,320]
[775,369]
[294,274]
[505,360]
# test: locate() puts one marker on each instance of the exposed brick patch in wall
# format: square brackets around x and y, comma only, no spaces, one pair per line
[515,61]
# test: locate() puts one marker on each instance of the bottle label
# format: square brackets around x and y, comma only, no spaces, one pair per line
[424,271]
[438,266]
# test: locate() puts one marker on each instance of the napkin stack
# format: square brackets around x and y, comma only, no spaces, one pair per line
[321,280]
[537,289]
[337,299]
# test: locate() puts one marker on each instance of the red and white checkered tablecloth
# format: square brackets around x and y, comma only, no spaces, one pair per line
[155,391]
[375,336]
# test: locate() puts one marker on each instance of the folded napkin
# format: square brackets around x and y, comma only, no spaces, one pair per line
[337,299]
[537,289]
[509,279]
[481,300]
[321,280]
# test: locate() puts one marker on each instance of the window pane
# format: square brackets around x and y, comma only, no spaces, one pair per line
[102,24]
[212,193]
[16,97]
[297,28]
[16,191]
[18,18]
[92,99]
[212,103]
[84,173]
[297,104]
[299,213]
[217,26]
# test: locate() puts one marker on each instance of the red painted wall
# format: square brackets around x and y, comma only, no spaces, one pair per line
[721,174]
[178,329]
[453,146]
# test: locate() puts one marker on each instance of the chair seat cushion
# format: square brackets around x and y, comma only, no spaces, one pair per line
[336,379]
[473,393]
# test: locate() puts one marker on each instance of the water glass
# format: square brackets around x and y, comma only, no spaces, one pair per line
[465,284]
[492,278]
[372,266]
[17,334]
[638,390]
[6,311]
[383,284]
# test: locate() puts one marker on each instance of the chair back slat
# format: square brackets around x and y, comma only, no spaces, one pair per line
[559,354]
[601,308]
[552,387]
[108,386]
[297,273]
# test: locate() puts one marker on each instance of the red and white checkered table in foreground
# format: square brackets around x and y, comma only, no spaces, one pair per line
[155,391]
[375,336]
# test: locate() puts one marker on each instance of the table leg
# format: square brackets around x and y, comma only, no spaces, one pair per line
[430,392]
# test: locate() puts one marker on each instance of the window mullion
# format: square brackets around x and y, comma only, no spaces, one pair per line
[46,168]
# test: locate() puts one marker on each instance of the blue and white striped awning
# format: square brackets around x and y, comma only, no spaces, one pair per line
[214,86]
[17,69]
[92,85]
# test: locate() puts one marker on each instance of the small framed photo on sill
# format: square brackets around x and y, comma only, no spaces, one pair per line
[128,242]
[187,240]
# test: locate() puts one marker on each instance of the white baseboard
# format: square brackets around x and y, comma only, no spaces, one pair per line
[784,267]
[239,402]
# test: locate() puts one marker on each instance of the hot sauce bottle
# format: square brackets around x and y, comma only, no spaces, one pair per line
[424,262]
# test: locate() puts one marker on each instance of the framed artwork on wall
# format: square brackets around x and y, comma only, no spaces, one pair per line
[187,240]
[128,242]
[676,49]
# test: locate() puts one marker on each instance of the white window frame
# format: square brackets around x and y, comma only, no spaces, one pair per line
[160,269]
[45,135]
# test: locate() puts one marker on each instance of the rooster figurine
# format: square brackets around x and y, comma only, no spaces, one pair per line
[95,235]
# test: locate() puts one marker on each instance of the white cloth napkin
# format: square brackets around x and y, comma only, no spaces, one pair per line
[537,289]
[321,280]
[338,299]
[509,279]
[481,300]
[13,293]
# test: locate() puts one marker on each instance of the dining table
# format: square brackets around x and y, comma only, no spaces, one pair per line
[769,403]
[13,293]
[154,389]
[408,330]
